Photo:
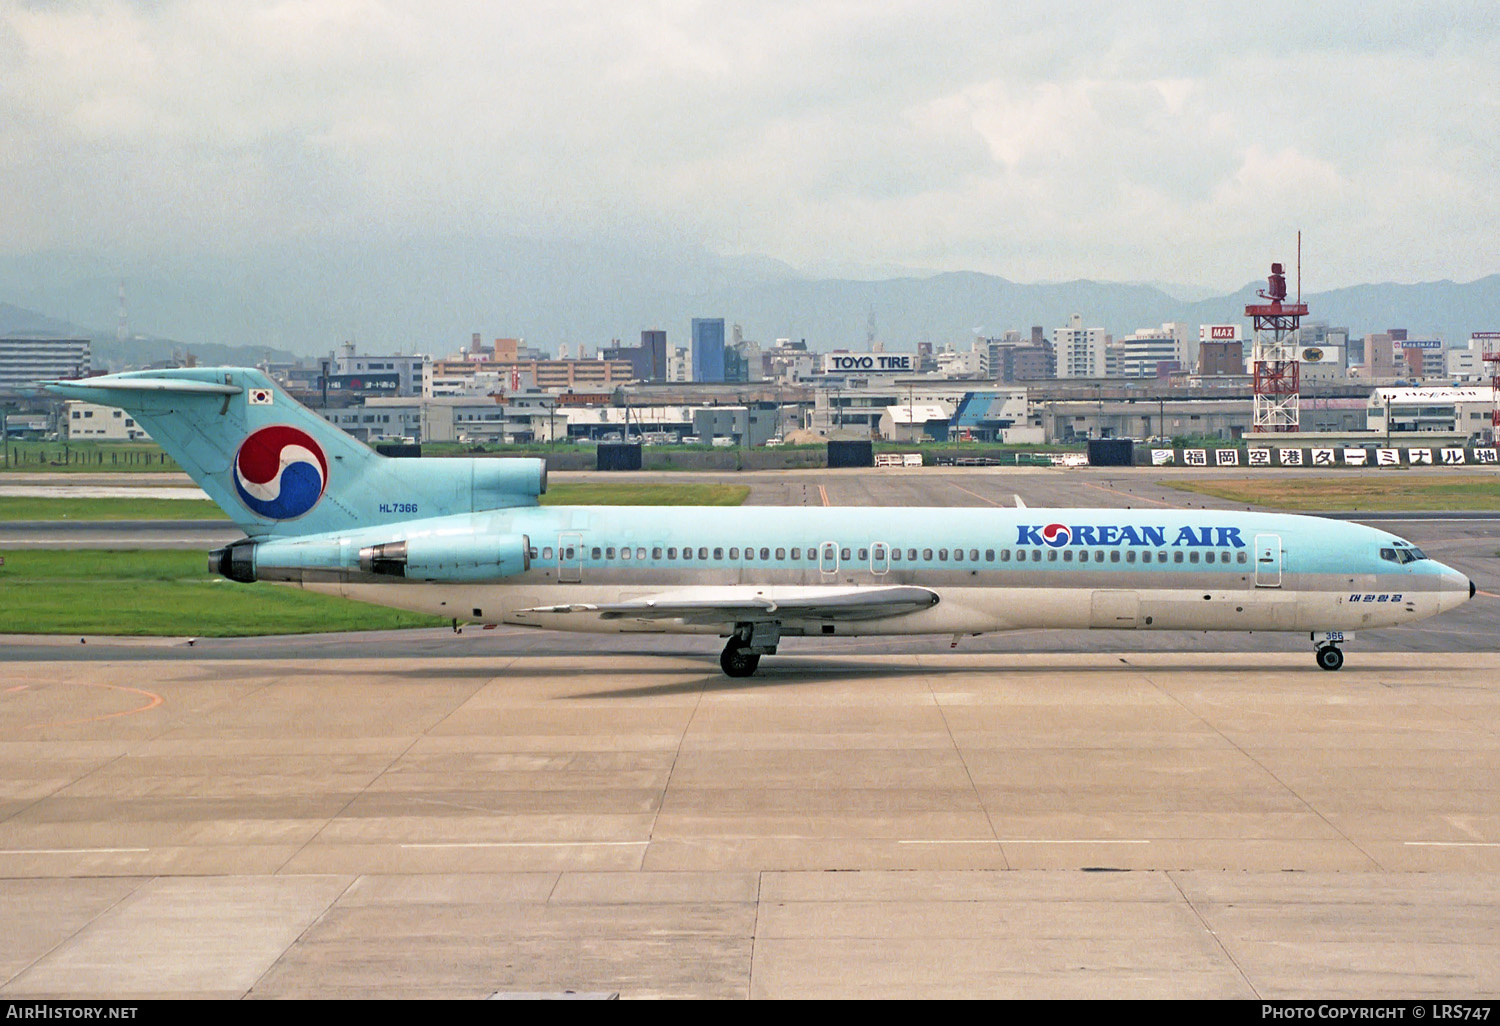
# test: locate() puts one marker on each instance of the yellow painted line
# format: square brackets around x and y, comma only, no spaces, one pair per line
[156,700]
[976,495]
[823,492]
[1129,495]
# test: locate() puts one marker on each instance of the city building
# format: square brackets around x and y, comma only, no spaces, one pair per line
[1444,410]
[1143,352]
[83,420]
[708,348]
[26,361]
[398,374]
[1080,351]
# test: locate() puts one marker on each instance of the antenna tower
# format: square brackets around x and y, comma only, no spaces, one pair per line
[1492,359]
[1274,354]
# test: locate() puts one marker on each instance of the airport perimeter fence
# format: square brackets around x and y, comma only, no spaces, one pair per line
[1324,457]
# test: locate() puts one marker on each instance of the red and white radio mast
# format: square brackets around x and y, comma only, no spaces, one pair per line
[1274,355]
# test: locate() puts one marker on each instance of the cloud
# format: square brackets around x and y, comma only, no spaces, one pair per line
[1032,139]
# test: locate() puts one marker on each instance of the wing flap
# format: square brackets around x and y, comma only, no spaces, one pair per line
[718,605]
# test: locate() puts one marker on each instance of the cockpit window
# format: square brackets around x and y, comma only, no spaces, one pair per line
[1402,554]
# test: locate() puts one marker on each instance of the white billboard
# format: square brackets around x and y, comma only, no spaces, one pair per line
[1219,333]
[873,363]
[1322,354]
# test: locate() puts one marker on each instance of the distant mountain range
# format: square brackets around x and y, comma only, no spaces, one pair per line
[418,296]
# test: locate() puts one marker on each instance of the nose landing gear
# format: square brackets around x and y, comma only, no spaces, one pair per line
[1329,655]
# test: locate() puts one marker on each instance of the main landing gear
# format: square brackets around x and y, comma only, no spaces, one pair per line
[1329,655]
[750,641]
[737,661]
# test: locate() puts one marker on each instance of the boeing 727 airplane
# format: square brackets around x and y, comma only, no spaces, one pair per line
[466,539]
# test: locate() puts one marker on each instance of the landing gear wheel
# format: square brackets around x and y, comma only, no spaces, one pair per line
[1330,657]
[736,662]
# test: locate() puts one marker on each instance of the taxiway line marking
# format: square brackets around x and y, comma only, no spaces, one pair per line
[1453,844]
[156,700]
[823,494]
[976,495]
[1005,840]
[1128,495]
[527,844]
[70,851]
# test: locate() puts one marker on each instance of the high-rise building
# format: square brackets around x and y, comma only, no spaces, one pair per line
[708,349]
[26,361]
[1141,352]
[655,342]
[1080,350]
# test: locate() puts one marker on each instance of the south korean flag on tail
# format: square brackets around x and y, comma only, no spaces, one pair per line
[260,396]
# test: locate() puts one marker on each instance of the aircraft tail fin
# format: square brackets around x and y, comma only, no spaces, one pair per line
[278,469]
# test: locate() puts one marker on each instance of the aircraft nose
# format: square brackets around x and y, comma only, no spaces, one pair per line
[1455,589]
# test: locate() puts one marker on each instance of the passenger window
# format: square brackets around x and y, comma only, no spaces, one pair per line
[640,552]
[1177,557]
[598,553]
[1242,558]
[911,554]
[927,555]
[1161,557]
[1052,555]
[1036,555]
[1130,555]
[570,552]
[989,555]
[1114,555]
[1020,555]
[942,555]
[781,553]
[1098,555]
[1083,555]
[973,555]
[624,553]
[1005,555]
[671,553]
[1192,557]
[703,552]
[797,553]
[718,553]
[547,552]
[765,553]
[656,552]
[844,554]
[1067,555]
[864,554]
[609,553]
[1208,557]
[895,555]
[1145,557]
[734,553]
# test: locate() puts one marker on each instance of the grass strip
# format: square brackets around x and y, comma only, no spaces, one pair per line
[166,593]
[1383,492]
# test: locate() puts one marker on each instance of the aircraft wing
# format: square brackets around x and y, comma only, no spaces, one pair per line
[718,605]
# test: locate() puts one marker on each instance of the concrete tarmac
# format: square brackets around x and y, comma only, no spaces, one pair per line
[919,825]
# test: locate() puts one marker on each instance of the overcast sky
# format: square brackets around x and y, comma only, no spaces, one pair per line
[1040,141]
